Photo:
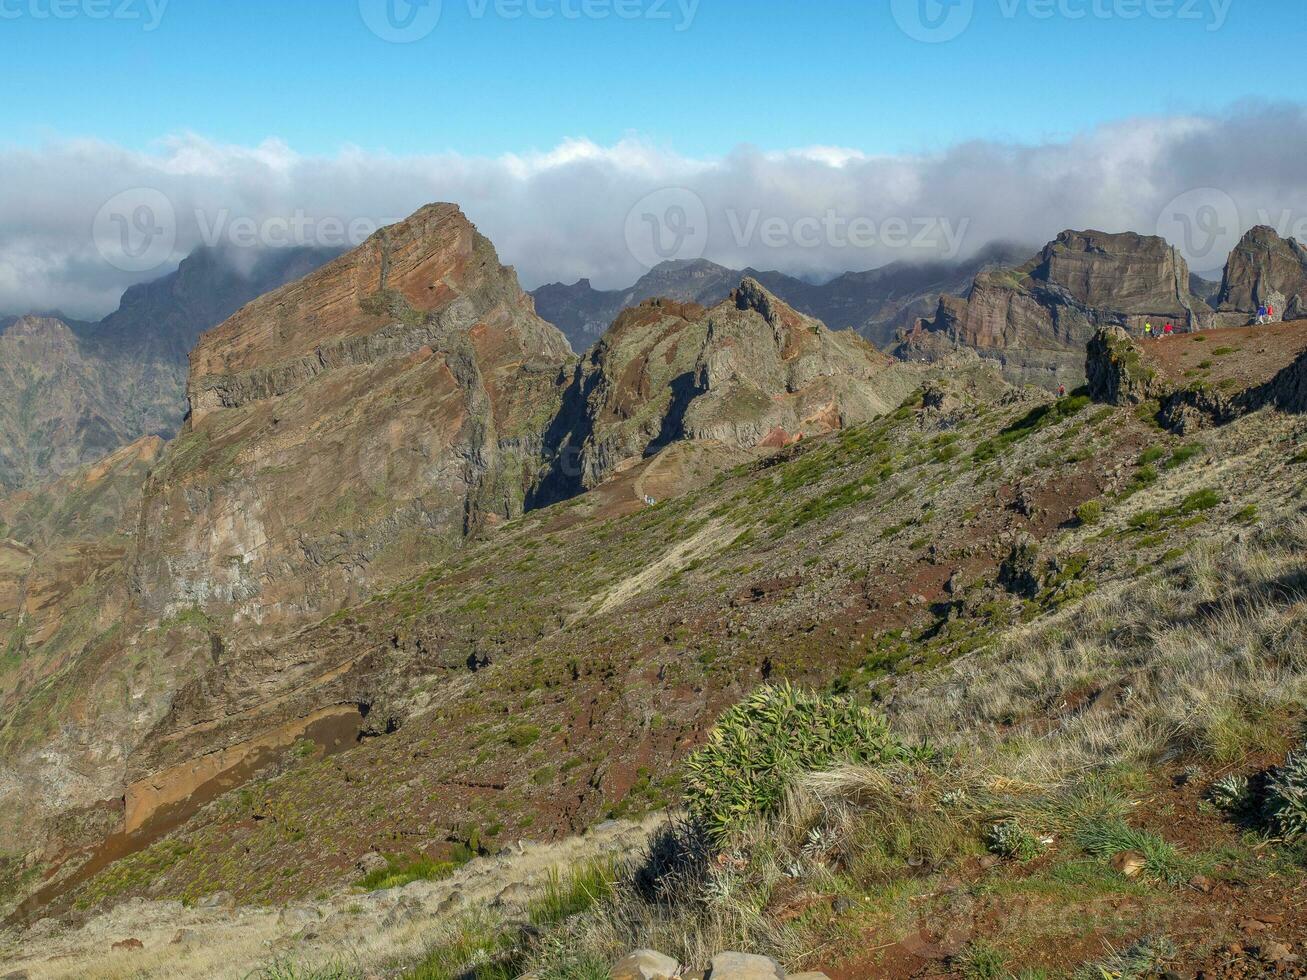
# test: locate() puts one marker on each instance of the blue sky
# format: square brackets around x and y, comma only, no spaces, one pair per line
[770,73]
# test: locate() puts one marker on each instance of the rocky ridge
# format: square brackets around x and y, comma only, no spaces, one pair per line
[876,303]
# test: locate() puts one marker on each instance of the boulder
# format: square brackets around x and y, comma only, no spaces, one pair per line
[745,966]
[218,900]
[370,862]
[646,964]
[1020,571]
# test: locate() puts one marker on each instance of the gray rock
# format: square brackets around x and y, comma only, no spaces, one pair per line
[298,917]
[745,966]
[218,900]
[514,895]
[370,862]
[646,964]
[184,937]
[811,975]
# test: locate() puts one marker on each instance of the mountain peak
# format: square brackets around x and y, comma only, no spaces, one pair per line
[434,262]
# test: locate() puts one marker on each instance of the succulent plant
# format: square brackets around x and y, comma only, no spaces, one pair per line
[1286,797]
[1230,793]
[1009,839]
[764,741]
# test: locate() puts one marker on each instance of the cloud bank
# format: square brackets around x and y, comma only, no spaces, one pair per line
[82,220]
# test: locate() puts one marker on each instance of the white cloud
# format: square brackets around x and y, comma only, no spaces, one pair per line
[562,214]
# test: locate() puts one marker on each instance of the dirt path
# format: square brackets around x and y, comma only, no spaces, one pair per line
[364,930]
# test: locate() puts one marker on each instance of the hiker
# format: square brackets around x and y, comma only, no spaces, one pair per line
[1261,314]
[1148,331]
[1061,391]
[1168,330]
[1270,313]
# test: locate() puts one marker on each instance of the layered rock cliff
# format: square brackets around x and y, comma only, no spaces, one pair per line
[1035,320]
[362,419]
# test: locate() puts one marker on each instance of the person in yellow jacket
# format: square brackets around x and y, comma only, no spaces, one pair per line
[1148,331]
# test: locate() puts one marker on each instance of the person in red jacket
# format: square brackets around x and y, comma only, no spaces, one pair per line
[1168,330]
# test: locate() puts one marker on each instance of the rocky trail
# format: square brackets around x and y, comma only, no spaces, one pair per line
[217,939]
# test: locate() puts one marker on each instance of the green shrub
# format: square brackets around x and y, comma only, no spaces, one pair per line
[1200,500]
[1145,476]
[1184,454]
[981,961]
[1104,838]
[1151,455]
[1286,797]
[567,896]
[1010,840]
[1144,958]
[763,742]
[1090,512]
[521,736]
[401,871]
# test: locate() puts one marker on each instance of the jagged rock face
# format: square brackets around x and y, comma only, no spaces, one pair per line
[72,392]
[1036,320]
[359,421]
[1265,268]
[1117,374]
[749,372]
[69,699]
[877,303]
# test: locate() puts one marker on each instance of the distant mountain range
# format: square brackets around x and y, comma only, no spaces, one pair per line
[72,391]
[877,303]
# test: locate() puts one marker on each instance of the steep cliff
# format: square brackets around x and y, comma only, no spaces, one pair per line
[1265,268]
[71,392]
[1035,320]
[363,418]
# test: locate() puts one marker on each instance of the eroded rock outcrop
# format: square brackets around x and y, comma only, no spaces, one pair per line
[749,372]
[72,392]
[1265,268]
[1036,320]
